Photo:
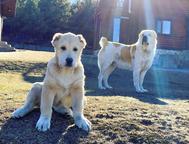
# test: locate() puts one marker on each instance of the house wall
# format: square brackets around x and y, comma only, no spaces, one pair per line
[176,11]
[8,8]
[1,26]
[187,31]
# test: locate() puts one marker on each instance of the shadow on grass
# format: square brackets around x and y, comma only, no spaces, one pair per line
[146,97]
[20,130]
[161,84]
[35,73]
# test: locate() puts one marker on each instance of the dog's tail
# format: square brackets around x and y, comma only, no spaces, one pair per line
[103,42]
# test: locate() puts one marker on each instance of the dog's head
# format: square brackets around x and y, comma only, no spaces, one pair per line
[68,48]
[147,37]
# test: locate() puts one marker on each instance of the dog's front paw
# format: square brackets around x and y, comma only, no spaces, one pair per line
[142,90]
[102,88]
[43,124]
[83,123]
[109,87]
[20,112]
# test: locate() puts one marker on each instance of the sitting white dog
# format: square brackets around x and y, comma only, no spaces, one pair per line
[137,57]
[63,85]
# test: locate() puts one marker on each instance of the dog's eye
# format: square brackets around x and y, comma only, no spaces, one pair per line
[75,49]
[63,48]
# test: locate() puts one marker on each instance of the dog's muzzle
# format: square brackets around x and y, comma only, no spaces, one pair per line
[145,40]
[69,62]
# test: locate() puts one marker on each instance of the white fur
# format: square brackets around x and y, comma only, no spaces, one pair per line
[109,59]
[63,86]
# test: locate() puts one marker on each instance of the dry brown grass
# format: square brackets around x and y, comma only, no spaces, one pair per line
[116,119]
[26,56]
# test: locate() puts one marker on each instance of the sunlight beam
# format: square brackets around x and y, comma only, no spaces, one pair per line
[149,16]
[161,79]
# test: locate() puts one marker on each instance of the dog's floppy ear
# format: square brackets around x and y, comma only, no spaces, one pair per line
[55,38]
[82,40]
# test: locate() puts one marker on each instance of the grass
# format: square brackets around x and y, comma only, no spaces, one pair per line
[116,118]
[26,56]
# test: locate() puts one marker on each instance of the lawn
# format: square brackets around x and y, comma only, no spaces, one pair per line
[118,116]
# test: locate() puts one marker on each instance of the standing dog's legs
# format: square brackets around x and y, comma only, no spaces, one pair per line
[142,75]
[100,78]
[136,79]
[33,98]
[47,98]
[107,73]
[77,95]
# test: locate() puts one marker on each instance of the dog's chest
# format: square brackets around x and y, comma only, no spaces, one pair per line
[64,80]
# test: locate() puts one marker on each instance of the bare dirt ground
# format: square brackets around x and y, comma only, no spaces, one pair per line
[118,116]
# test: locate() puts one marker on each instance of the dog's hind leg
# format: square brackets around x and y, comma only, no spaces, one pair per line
[107,73]
[100,76]
[100,80]
[141,80]
[33,98]
[136,79]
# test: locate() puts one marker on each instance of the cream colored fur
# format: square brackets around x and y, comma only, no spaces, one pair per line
[63,86]
[137,57]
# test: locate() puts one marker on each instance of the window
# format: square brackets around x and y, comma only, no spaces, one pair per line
[163,27]
[120,3]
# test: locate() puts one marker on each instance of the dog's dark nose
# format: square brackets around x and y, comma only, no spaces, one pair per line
[69,62]
[145,40]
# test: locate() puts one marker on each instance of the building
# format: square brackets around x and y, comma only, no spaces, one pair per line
[7,9]
[122,20]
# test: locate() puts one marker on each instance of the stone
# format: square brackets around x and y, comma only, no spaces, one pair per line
[5,47]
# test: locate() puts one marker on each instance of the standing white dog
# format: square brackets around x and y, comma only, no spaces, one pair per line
[137,57]
[63,85]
